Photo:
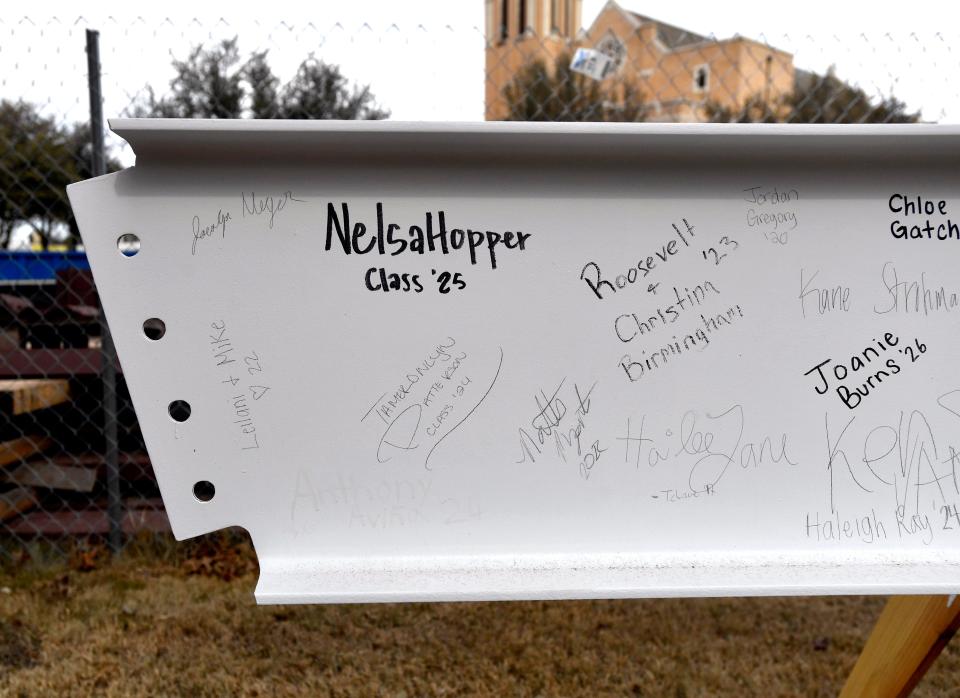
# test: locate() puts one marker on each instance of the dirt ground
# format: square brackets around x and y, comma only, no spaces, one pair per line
[186,625]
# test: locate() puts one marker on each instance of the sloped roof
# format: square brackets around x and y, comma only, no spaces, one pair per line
[669,35]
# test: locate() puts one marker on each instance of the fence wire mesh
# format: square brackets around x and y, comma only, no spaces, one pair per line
[521,66]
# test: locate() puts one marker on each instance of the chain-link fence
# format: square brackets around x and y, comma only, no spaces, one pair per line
[72,459]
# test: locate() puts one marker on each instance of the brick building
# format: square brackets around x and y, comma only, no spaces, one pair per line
[677,72]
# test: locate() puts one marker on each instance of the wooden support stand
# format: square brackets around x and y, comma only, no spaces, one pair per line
[909,635]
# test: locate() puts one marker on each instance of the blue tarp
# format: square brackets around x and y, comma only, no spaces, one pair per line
[27,267]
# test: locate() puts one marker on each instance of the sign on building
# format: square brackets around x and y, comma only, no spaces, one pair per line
[592,63]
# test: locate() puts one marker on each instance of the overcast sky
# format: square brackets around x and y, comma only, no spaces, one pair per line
[424,58]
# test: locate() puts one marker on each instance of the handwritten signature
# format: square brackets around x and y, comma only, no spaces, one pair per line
[902,457]
[714,441]
[266,205]
[547,426]
[204,231]
[388,403]
[403,432]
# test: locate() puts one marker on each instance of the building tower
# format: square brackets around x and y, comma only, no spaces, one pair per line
[520,31]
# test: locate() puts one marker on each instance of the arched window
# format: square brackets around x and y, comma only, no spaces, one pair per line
[701,78]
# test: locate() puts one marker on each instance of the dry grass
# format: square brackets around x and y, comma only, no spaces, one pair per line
[173,625]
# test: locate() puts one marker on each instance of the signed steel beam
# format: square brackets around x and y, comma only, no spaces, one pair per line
[482,361]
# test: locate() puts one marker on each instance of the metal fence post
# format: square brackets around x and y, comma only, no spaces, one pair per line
[108,372]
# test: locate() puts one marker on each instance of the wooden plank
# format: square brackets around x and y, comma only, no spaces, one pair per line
[54,476]
[17,307]
[28,395]
[15,501]
[24,363]
[48,524]
[125,458]
[134,465]
[22,448]
[9,339]
[909,635]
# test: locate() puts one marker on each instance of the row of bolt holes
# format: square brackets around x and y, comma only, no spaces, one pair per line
[154,329]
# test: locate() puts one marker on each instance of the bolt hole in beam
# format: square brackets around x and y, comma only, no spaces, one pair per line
[128,244]
[179,410]
[204,490]
[154,328]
